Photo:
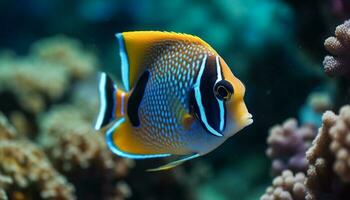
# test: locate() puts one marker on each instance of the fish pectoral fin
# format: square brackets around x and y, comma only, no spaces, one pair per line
[187,121]
[174,163]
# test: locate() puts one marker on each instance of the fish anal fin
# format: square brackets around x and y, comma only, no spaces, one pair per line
[123,141]
[174,163]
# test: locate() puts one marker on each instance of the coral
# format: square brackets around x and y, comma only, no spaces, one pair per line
[286,187]
[67,52]
[21,123]
[340,145]
[7,131]
[27,174]
[43,76]
[327,175]
[74,161]
[33,82]
[287,146]
[80,153]
[339,47]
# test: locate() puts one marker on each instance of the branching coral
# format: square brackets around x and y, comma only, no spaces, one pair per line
[339,46]
[80,153]
[340,145]
[27,174]
[328,173]
[287,146]
[286,187]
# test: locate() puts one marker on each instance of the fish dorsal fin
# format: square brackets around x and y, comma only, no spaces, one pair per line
[133,47]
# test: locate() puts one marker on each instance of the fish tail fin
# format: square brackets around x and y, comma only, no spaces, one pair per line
[112,102]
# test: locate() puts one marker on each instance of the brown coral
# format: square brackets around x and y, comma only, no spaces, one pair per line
[340,145]
[60,59]
[7,131]
[286,187]
[80,153]
[69,53]
[25,79]
[287,146]
[339,47]
[72,146]
[325,177]
[27,174]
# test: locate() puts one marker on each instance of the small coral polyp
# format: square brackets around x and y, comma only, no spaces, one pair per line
[339,47]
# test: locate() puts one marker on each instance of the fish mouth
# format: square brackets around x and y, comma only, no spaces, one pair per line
[247,120]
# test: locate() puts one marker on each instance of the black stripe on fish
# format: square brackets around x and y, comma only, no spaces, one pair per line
[107,91]
[209,109]
[136,98]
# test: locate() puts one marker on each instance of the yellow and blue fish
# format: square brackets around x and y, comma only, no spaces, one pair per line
[179,97]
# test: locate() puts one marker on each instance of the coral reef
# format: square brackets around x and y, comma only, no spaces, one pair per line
[27,174]
[43,76]
[51,151]
[339,47]
[287,146]
[328,172]
[286,187]
[49,98]
[80,153]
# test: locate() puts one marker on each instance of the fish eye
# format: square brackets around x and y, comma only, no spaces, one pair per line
[223,90]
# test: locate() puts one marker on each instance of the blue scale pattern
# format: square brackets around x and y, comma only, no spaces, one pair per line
[173,67]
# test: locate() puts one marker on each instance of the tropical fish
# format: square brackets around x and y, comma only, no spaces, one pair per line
[179,98]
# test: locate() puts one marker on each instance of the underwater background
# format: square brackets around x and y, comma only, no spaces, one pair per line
[292,56]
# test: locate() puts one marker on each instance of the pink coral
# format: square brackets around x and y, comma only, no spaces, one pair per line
[286,187]
[287,146]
